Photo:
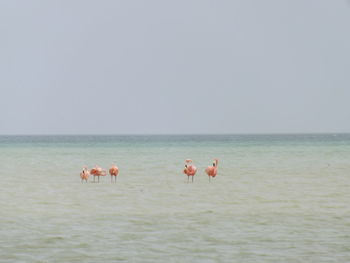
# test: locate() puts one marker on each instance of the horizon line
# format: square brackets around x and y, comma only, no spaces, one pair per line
[176,134]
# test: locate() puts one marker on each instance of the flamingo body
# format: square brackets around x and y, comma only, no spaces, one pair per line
[190,169]
[212,170]
[97,171]
[113,171]
[84,175]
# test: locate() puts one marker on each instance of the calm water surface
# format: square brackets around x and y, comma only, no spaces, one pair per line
[277,198]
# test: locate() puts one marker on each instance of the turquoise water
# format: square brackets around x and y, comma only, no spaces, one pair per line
[277,198]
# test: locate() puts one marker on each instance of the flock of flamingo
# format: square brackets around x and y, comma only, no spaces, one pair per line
[190,170]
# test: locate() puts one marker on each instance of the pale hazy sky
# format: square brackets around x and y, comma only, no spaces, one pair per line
[120,67]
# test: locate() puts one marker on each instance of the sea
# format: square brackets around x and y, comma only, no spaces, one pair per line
[276,198]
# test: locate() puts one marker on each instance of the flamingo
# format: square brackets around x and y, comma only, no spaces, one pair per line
[97,171]
[84,175]
[190,169]
[113,171]
[212,170]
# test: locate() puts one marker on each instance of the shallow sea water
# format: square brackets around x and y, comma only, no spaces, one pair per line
[277,198]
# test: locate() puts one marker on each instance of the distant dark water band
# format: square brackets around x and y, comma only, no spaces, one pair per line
[176,139]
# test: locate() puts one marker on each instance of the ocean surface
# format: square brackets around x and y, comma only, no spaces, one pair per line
[277,198]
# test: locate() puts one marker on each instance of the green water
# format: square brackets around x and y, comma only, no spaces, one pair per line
[277,198]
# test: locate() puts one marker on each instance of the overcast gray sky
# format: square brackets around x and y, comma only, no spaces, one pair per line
[120,67]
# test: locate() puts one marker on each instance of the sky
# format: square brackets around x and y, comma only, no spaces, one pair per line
[174,67]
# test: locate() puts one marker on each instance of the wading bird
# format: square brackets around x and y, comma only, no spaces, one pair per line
[190,169]
[212,170]
[97,171]
[84,175]
[113,171]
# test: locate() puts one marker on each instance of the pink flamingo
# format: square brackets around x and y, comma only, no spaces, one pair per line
[113,171]
[212,170]
[84,175]
[190,170]
[97,171]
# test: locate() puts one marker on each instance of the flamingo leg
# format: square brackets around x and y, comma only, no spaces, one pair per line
[115,179]
[111,179]
[209,178]
[98,179]
[192,178]
[188,178]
